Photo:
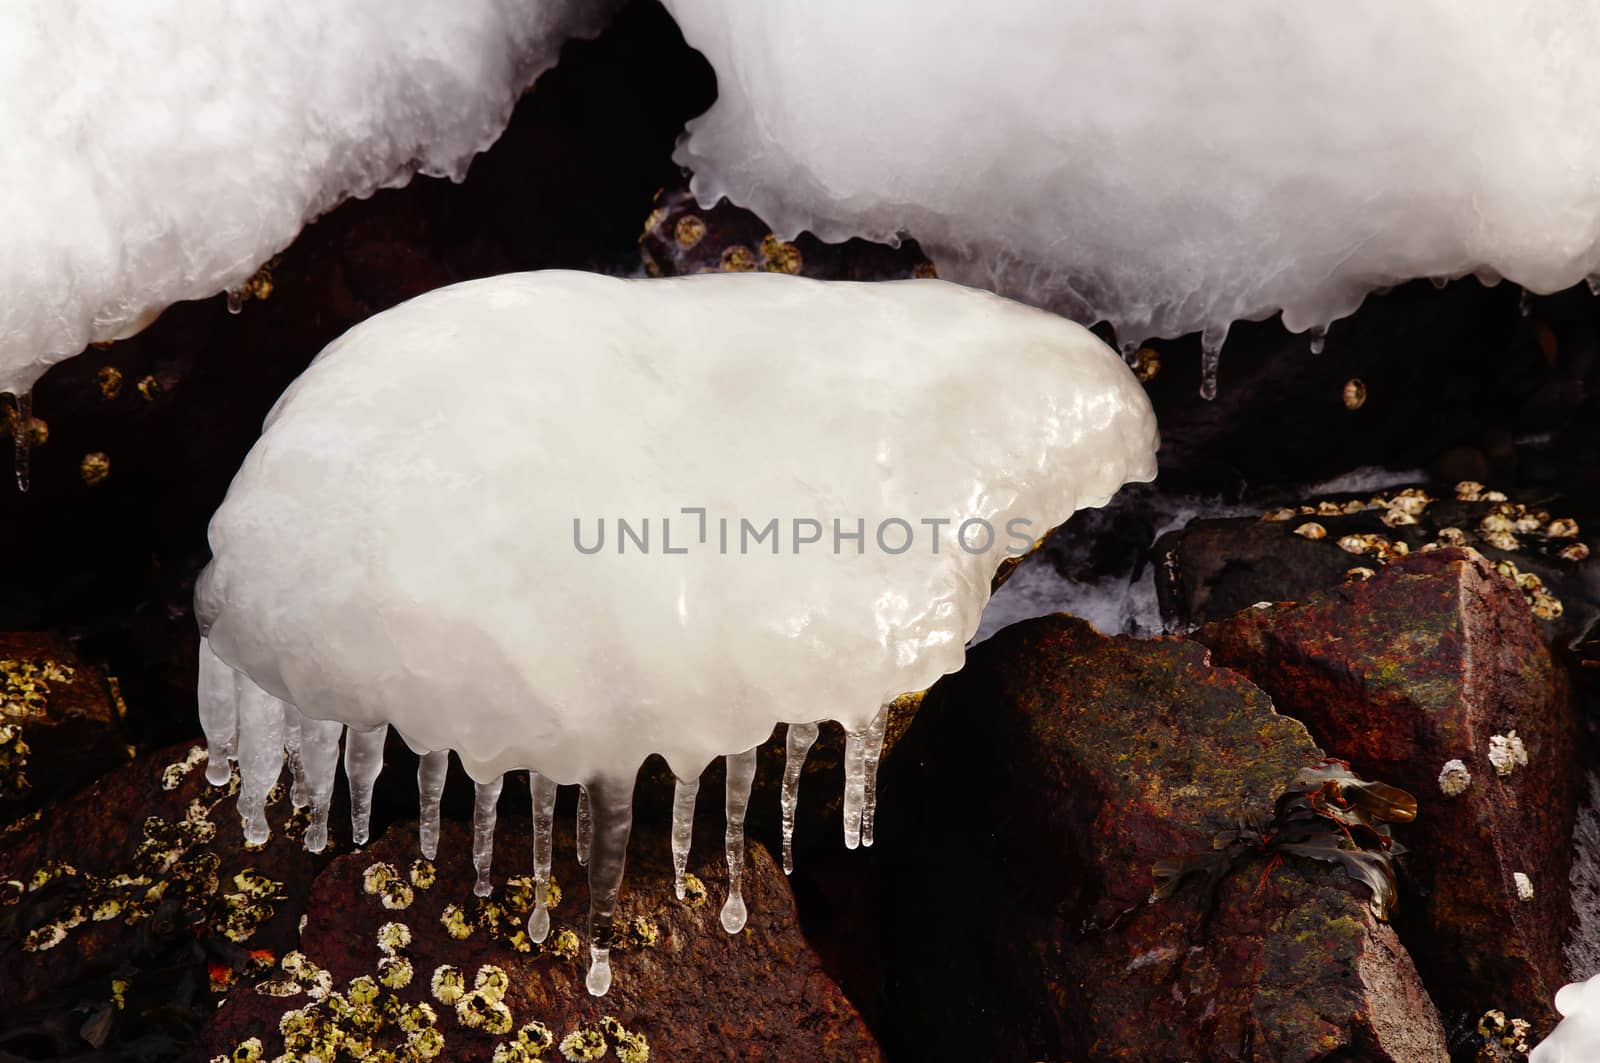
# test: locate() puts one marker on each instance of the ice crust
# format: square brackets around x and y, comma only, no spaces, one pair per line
[1166,167]
[399,548]
[162,150]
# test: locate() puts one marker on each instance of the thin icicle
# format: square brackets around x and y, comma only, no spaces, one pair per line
[1319,340]
[683,796]
[319,763]
[544,818]
[485,809]
[585,827]
[1211,341]
[797,743]
[741,773]
[260,756]
[432,769]
[291,756]
[855,785]
[363,760]
[873,753]
[217,689]
[611,802]
[235,300]
[21,443]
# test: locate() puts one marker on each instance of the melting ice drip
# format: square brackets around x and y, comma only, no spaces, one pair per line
[402,546]
[264,735]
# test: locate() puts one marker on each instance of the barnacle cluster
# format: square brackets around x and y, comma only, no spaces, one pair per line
[25,686]
[1508,1033]
[13,762]
[370,1020]
[1507,753]
[172,865]
[1503,528]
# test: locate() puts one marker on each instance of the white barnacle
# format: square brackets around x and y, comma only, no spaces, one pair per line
[1454,778]
[778,437]
[1507,753]
[1524,886]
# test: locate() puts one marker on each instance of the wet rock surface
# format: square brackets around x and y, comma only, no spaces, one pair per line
[125,907]
[1024,814]
[60,721]
[1432,676]
[682,987]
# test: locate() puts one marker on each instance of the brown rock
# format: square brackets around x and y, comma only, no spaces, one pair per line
[1416,667]
[60,721]
[141,879]
[680,983]
[1019,826]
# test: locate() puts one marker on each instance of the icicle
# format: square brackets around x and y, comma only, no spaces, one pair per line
[432,769]
[260,756]
[683,796]
[235,300]
[217,689]
[544,816]
[873,752]
[1211,341]
[855,785]
[291,756]
[1319,340]
[741,772]
[1593,281]
[1525,303]
[21,441]
[363,760]
[585,827]
[611,802]
[319,764]
[1439,282]
[484,811]
[797,743]
[1130,354]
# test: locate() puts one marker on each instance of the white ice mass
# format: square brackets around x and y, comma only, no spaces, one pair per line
[163,150]
[1167,167]
[415,540]
[1576,1039]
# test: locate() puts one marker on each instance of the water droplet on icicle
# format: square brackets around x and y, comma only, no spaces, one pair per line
[741,773]
[611,807]
[432,769]
[683,798]
[260,756]
[235,300]
[1211,341]
[363,761]
[22,441]
[544,819]
[217,689]
[1319,340]
[485,807]
[319,765]
[797,743]
[585,827]
[1593,281]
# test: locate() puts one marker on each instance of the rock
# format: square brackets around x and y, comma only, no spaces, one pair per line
[140,890]
[1019,827]
[1214,568]
[60,721]
[681,985]
[1436,659]
[681,237]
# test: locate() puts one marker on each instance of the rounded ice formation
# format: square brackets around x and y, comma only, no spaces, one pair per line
[559,522]
[1166,167]
[163,150]
[1576,1038]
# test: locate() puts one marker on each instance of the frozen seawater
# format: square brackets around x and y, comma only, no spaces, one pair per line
[1576,1038]
[411,541]
[1169,168]
[163,150]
